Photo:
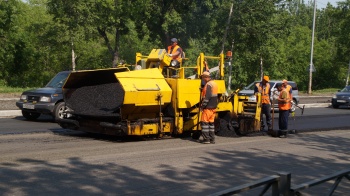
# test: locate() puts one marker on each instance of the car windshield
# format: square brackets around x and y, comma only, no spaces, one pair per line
[58,80]
[252,85]
[346,89]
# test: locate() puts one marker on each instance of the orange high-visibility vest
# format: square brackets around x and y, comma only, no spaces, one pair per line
[173,51]
[212,99]
[265,97]
[289,88]
[284,105]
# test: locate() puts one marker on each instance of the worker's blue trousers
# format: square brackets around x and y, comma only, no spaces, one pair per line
[283,119]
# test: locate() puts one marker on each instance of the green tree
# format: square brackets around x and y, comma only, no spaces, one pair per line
[107,19]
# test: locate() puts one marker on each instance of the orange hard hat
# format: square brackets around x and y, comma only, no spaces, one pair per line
[266,78]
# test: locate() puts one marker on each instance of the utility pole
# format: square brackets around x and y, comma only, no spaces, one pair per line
[230,68]
[261,69]
[347,78]
[226,30]
[312,50]
[73,57]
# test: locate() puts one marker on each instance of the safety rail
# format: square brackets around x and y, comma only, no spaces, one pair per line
[281,184]
[338,176]
[270,181]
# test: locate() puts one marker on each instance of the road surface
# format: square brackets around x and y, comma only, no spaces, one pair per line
[40,158]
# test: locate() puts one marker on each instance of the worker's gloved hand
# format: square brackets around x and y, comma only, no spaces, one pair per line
[204,103]
[292,108]
[275,95]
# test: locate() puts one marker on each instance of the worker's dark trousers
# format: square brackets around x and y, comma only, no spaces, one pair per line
[205,132]
[211,132]
[266,110]
[283,119]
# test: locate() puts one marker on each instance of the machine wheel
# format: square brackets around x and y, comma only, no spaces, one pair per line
[58,112]
[30,115]
[335,106]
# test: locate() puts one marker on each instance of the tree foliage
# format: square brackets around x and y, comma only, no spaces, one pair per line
[38,36]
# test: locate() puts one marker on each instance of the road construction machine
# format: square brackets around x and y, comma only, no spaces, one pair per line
[157,100]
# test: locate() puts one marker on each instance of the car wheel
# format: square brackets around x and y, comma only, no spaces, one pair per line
[58,112]
[30,115]
[295,101]
[335,106]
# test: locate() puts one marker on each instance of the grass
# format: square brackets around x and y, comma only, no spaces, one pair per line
[321,91]
[6,89]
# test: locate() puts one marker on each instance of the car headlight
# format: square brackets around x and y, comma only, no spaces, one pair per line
[23,97]
[334,96]
[45,99]
[252,98]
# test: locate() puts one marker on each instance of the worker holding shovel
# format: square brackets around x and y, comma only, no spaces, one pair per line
[264,88]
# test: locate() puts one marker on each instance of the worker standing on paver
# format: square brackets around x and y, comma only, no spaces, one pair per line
[175,52]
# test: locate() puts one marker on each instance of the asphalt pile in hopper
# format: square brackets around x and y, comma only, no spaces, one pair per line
[97,100]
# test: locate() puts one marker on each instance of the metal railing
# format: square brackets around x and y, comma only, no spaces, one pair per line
[338,176]
[281,184]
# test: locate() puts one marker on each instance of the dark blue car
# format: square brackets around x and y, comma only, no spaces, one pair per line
[341,98]
[46,100]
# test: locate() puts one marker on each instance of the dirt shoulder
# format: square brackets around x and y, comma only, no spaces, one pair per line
[10,95]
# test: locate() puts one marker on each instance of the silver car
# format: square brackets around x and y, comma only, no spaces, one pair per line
[249,90]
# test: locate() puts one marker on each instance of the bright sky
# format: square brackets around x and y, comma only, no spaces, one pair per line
[323,3]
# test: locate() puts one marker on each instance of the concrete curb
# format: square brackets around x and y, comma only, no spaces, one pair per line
[316,105]
[11,113]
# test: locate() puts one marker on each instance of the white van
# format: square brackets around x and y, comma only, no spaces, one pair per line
[249,90]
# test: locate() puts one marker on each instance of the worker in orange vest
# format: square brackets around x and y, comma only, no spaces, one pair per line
[288,88]
[209,104]
[264,88]
[175,52]
[284,105]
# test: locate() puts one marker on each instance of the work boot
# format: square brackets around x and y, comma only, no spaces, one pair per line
[283,133]
[273,133]
[269,128]
[269,131]
[205,142]
[205,135]
[212,133]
